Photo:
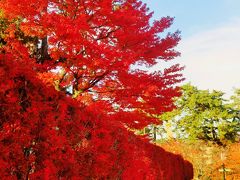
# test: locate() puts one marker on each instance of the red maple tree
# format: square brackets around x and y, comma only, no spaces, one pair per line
[69,93]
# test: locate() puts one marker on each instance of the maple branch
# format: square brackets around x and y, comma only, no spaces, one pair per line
[107,35]
[75,75]
[95,81]
[43,51]
[102,91]
[76,10]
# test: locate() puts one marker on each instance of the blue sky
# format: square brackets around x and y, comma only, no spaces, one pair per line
[210,43]
[192,16]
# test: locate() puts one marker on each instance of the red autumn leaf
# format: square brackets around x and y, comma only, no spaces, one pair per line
[78,127]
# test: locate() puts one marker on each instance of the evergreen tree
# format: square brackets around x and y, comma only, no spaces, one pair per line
[204,115]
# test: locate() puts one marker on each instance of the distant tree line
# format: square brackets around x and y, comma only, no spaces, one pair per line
[201,115]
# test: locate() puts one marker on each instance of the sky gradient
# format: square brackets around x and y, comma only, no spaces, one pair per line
[210,44]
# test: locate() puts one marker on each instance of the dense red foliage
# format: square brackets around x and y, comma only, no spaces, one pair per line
[46,134]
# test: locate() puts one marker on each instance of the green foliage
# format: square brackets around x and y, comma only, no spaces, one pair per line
[235,106]
[205,115]
[236,100]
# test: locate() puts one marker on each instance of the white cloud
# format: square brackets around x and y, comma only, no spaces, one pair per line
[212,58]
